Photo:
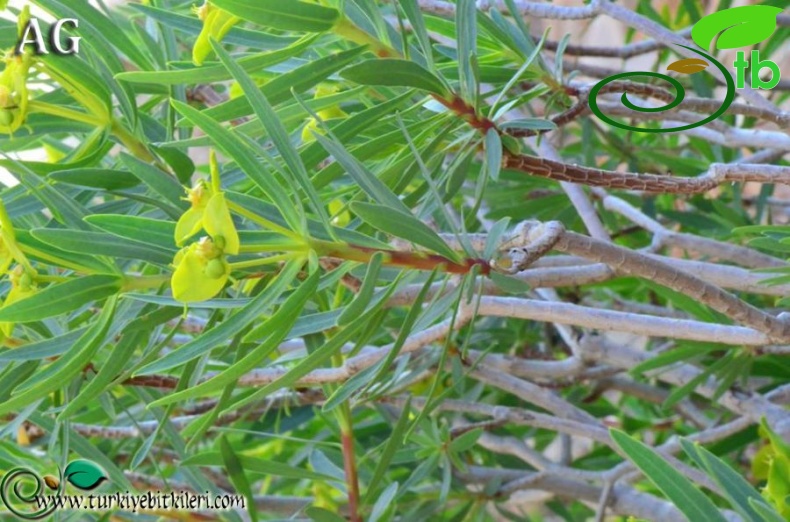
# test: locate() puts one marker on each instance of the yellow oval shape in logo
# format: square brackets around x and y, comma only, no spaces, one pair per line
[688,66]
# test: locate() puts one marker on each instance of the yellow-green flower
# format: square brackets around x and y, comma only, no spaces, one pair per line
[191,221]
[326,114]
[201,268]
[201,272]
[13,83]
[22,286]
[13,92]
[209,212]
[216,24]
[9,251]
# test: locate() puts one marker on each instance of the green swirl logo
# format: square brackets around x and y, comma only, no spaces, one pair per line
[740,26]
[23,487]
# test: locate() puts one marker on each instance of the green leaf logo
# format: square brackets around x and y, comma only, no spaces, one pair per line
[742,26]
[84,474]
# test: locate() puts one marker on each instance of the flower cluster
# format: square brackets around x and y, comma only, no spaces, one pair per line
[13,85]
[22,285]
[202,268]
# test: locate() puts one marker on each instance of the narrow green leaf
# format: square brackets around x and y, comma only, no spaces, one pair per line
[280,88]
[237,476]
[192,26]
[314,360]
[414,14]
[403,225]
[254,465]
[277,326]
[104,179]
[64,209]
[45,252]
[415,311]
[110,370]
[348,388]
[293,15]
[394,442]
[318,514]
[100,244]
[228,328]
[233,147]
[493,153]
[61,298]
[152,231]
[739,492]
[275,129]
[372,186]
[67,366]
[384,502]
[160,182]
[40,350]
[399,73]
[466,26]
[681,491]
[681,392]
[143,451]
[466,440]
[671,356]
[357,306]
[537,124]
[216,73]
[767,512]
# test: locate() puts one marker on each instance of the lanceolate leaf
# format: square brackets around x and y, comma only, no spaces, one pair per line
[151,231]
[66,366]
[293,15]
[732,483]
[280,89]
[61,298]
[278,327]
[97,243]
[680,490]
[402,73]
[210,73]
[237,475]
[404,226]
[276,131]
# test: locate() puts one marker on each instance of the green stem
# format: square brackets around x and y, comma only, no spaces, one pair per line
[265,223]
[265,260]
[346,29]
[133,144]
[63,112]
[286,246]
[144,282]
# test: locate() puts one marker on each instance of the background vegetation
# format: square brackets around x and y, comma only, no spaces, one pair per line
[375,261]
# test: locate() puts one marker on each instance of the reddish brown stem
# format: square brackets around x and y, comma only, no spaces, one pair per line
[347,440]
